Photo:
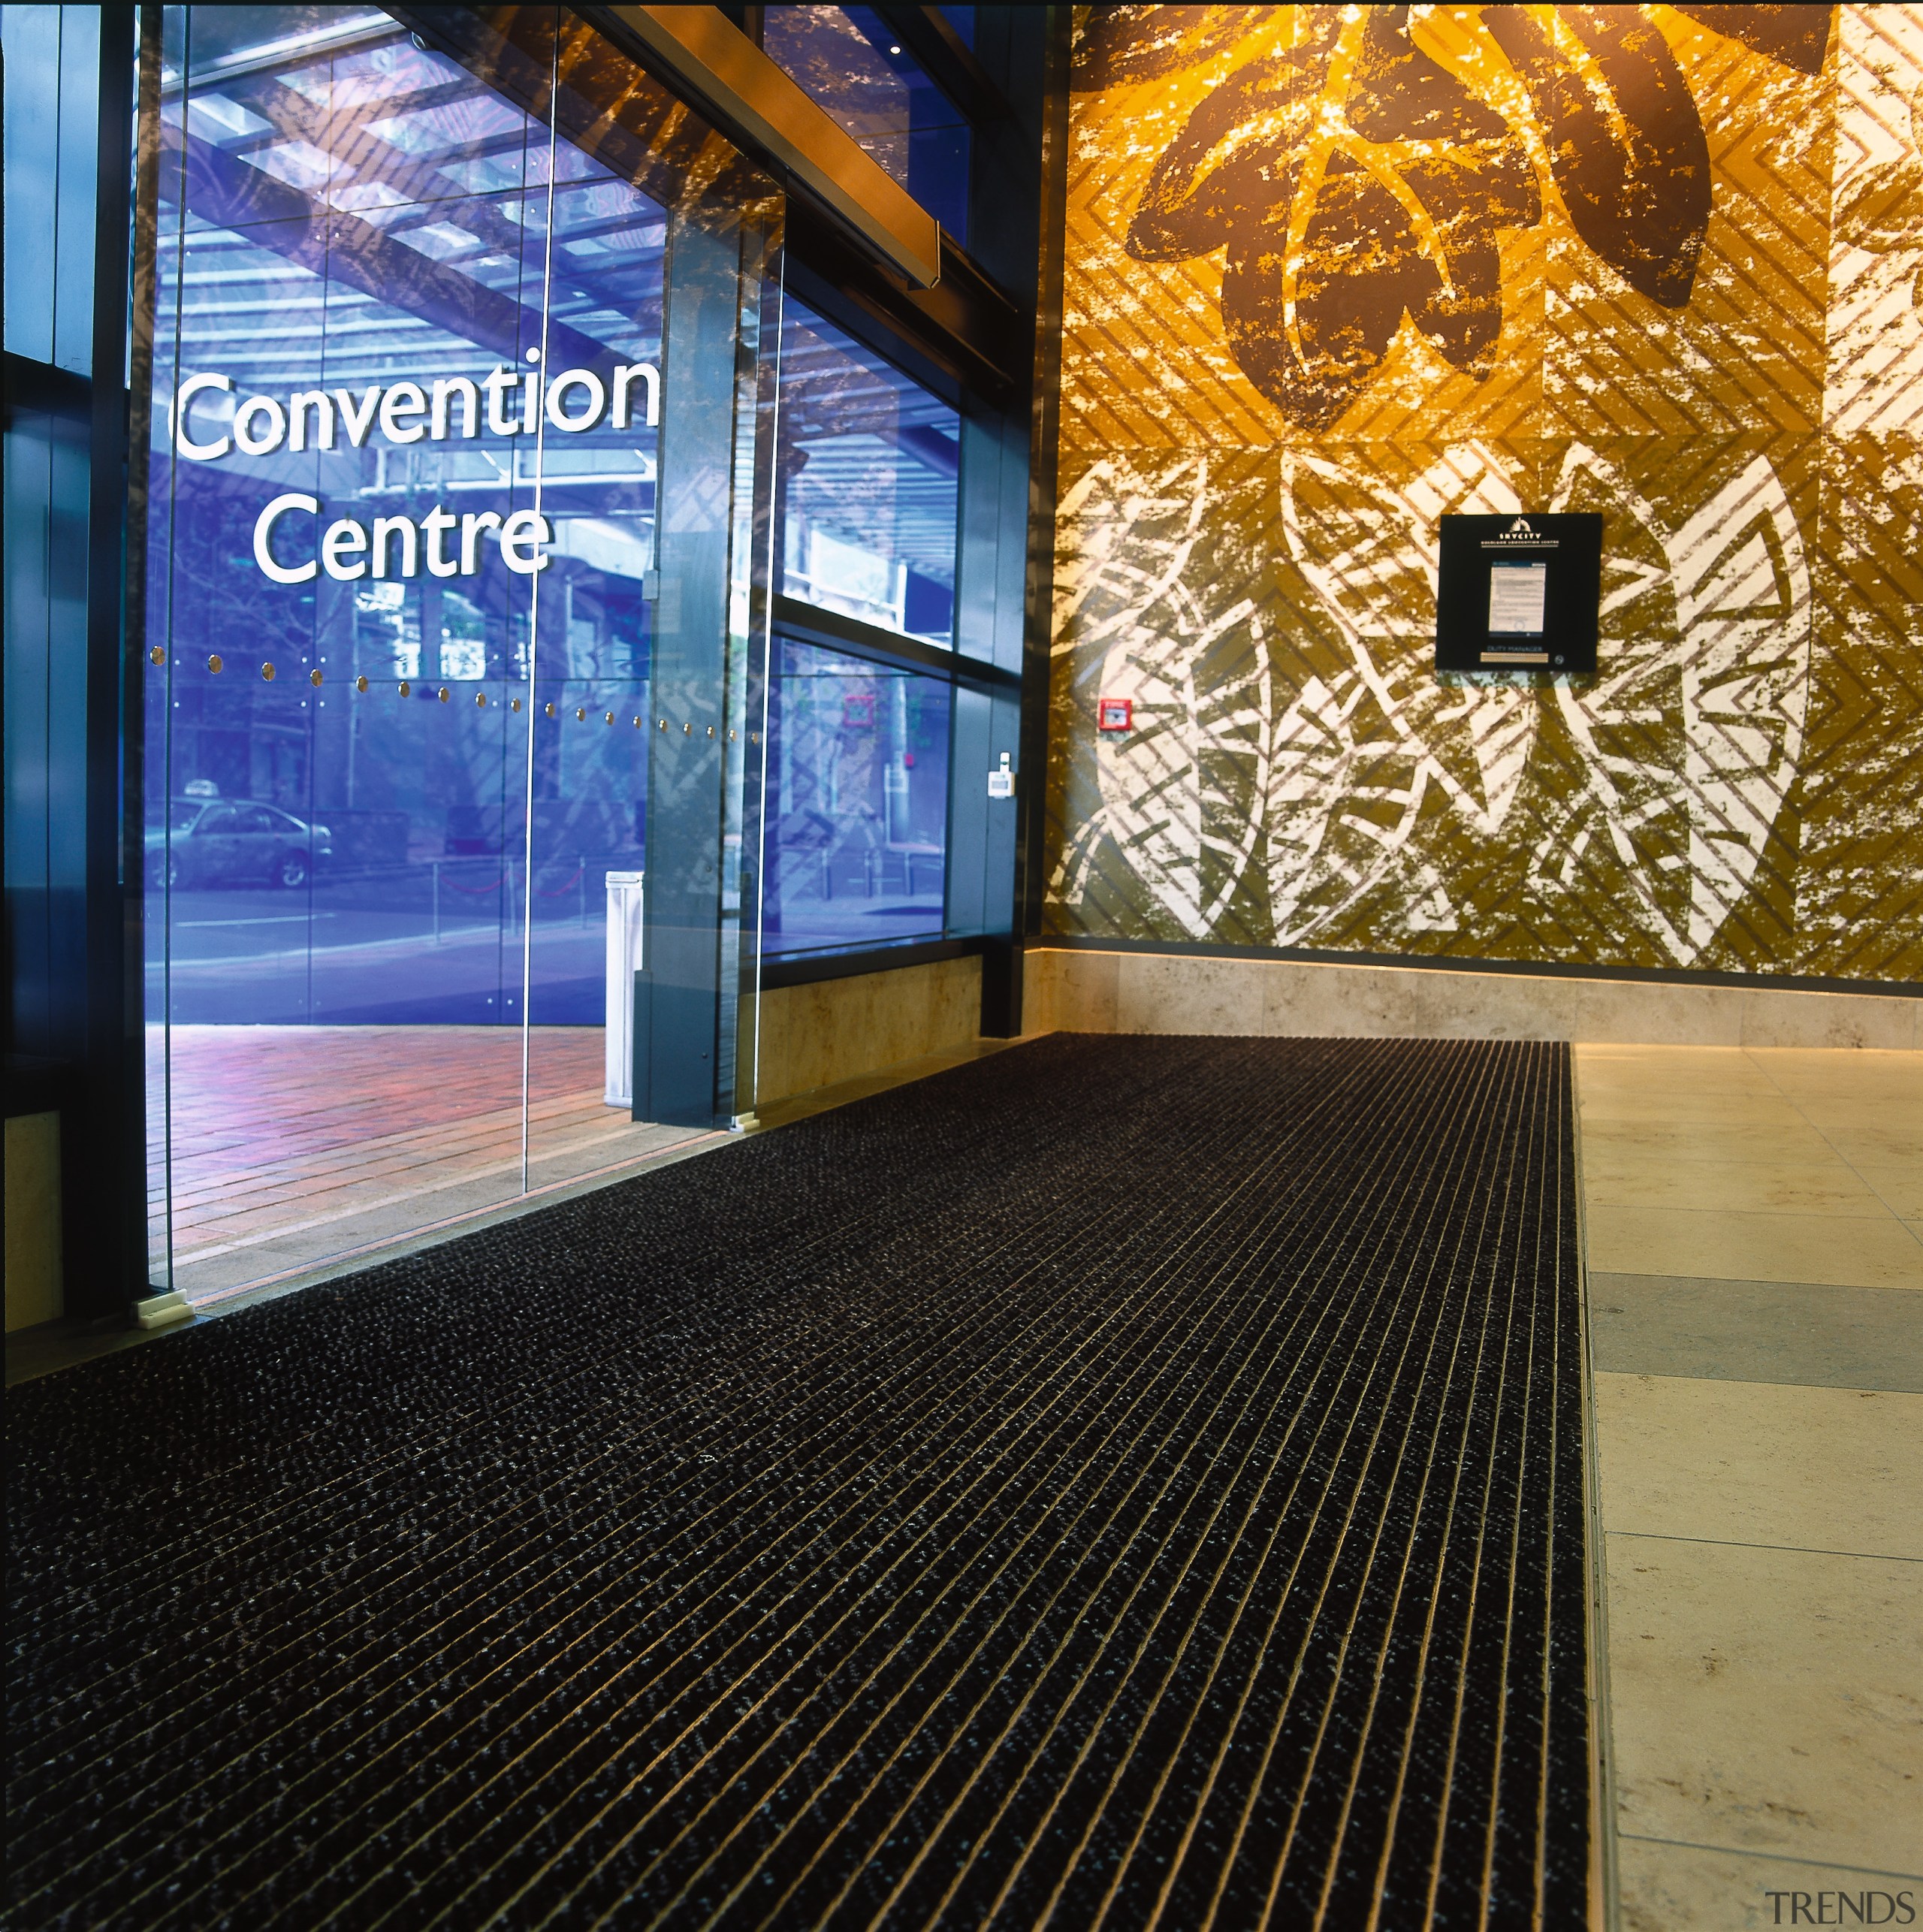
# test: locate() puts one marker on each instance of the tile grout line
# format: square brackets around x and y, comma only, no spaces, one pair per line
[1749,1054]
[1775,1857]
[1734,1543]
[1755,1281]
[1761,1382]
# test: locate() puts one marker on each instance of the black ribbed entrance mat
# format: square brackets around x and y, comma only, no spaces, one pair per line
[1121,1481]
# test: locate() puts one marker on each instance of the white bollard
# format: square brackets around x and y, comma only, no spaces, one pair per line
[624,960]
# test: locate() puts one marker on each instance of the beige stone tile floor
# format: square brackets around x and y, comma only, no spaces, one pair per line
[1755,1285]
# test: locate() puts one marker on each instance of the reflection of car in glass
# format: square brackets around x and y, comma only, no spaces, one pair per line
[234,841]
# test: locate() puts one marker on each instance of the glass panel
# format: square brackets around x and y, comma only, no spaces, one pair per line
[160,816]
[638,651]
[848,60]
[857,803]
[578,852]
[330,810]
[868,464]
[403,583]
[586,830]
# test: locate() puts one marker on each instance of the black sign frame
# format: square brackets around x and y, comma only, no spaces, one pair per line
[1567,543]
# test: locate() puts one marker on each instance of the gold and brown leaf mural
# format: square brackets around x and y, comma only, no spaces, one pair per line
[1332,272]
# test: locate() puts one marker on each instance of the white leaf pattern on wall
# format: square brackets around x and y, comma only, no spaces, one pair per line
[1351,774]
[1356,757]
[1180,791]
[1874,383]
[1742,600]
[1719,794]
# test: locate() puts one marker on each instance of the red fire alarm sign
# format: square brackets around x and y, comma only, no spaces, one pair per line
[1114,713]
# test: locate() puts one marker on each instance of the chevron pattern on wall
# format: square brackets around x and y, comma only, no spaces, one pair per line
[1332,275]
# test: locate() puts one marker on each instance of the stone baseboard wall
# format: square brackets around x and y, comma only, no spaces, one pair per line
[834,1030]
[1078,990]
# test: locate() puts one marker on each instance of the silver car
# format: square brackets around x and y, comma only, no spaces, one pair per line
[234,842]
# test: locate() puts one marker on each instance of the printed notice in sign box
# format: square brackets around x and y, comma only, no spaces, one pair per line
[1519,591]
[1518,596]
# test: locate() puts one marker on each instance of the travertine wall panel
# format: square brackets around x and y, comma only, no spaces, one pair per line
[1334,272]
[1087,990]
[832,1030]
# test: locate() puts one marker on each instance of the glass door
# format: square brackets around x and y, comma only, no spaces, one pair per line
[408,592]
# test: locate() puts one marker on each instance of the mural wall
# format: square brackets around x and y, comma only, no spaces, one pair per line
[1332,272]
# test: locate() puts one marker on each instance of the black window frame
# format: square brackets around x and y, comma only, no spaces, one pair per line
[970,342]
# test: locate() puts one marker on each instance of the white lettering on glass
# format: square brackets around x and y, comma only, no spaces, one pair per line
[299,406]
[522,529]
[625,375]
[345,544]
[405,399]
[472,524]
[448,386]
[359,421]
[183,397]
[435,525]
[591,387]
[403,528]
[344,539]
[281,573]
[576,400]
[269,439]
[497,385]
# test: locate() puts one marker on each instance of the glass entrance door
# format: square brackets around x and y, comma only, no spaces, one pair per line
[433,332]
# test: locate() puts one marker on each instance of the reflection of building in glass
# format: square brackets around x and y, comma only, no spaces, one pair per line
[853,64]
[481,588]
[462,244]
[858,810]
[869,464]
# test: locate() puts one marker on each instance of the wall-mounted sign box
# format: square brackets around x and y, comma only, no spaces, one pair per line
[1519,593]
